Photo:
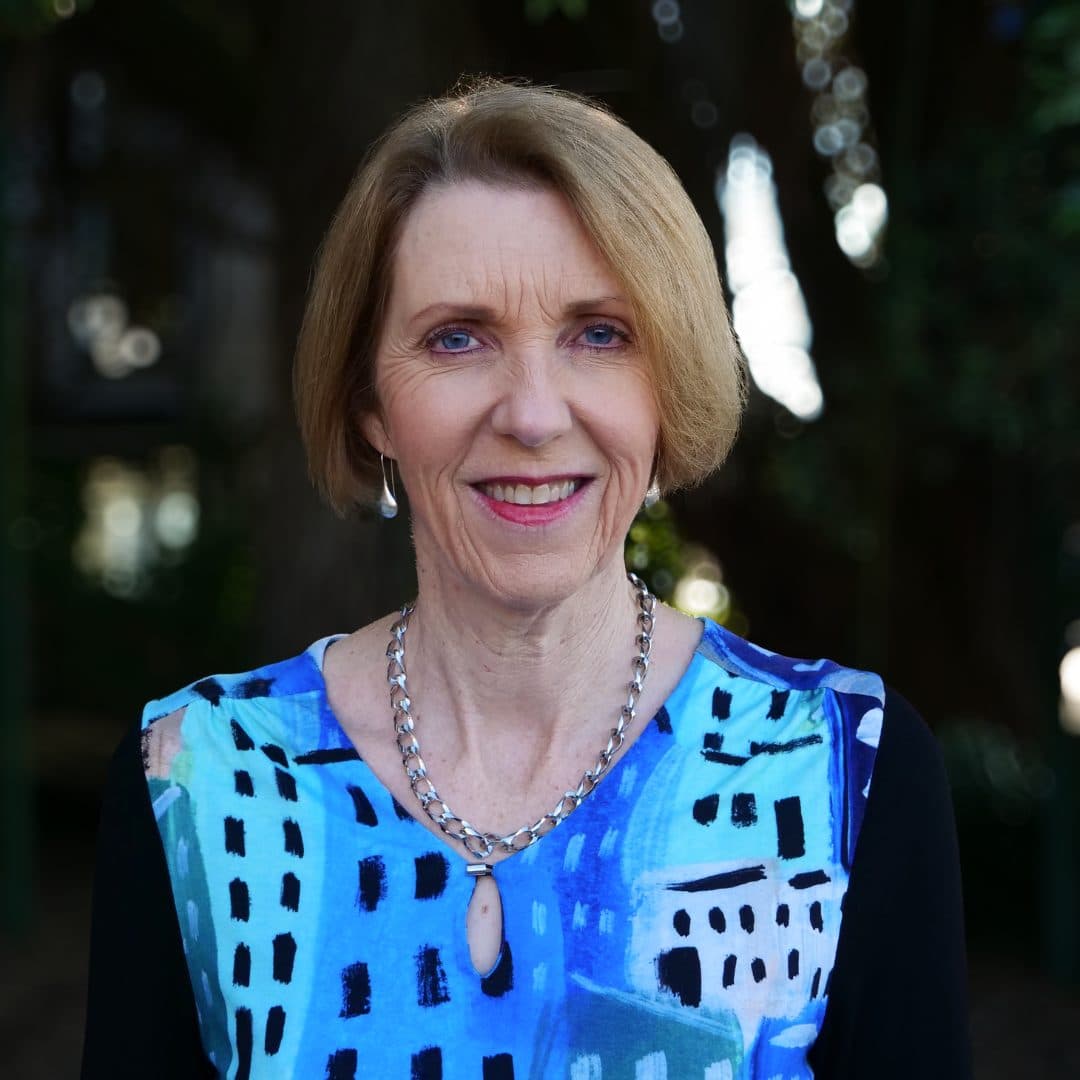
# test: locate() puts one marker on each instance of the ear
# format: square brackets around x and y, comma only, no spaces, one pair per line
[372,428]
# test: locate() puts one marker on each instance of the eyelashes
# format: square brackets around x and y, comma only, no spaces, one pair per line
[596,337]
[455,334]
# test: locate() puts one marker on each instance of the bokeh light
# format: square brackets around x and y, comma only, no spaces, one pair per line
[768,309]
[1069,675]
[136,518]
[99,324]
[841,123]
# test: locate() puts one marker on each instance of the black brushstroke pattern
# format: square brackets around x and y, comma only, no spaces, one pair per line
[372,883]
[341,1065]
[245,1040]
[793,964]
[275,1030]
[286,785]
[294,838]
[355,991]
[790,835]
[290,892]
[717,920]
[681,922]
[241,966]
[705,809]
[327,757]
[722,757]
[253,688]
[743,810]
[757,969]
[746,918]
[784,747]
[276,754]
[284,957]
[809,879]
[234,836]
[729,879]
[209,689]
[239,900]
[431,986]
[498,1067]
[432,871]
[365,812]
[721,704]
[778,704]
[242,783]
[783,915]
[679,970]
[427,1064]
[241,739]
[815,916]
[728,978]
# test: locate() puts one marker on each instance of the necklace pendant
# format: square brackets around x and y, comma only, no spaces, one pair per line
[478,869]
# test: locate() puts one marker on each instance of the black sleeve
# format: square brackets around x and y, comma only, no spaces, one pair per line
[140,1018]
[898,993]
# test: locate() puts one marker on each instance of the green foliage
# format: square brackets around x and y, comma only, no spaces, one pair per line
[685,575]
[655,551]
[1054,44]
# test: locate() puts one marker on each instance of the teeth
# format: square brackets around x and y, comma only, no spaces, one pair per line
[524,495]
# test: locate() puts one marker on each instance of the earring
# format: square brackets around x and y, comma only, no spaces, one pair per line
[387,502]
[652,496]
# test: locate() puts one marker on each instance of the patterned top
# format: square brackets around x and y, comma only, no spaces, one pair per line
[683,922]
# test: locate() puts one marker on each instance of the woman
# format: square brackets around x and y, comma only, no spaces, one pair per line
[752,870]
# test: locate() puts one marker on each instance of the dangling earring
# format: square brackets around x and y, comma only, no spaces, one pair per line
[652,496]
[387,502]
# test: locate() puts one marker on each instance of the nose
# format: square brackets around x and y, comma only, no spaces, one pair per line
[533,407]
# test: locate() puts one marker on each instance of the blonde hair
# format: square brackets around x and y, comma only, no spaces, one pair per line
[630,202]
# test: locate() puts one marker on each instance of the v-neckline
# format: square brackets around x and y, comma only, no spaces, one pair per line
[317,651]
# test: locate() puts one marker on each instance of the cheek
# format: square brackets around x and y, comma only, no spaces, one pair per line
[630,427]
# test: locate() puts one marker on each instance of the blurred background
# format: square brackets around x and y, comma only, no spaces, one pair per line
[894,194]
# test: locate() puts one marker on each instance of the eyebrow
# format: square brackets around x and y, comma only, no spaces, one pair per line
[482,313]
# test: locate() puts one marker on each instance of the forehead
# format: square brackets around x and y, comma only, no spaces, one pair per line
[471,239]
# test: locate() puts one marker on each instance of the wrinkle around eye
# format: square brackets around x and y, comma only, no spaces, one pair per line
[439,336]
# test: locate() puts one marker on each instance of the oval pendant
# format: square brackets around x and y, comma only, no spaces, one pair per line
[484,924]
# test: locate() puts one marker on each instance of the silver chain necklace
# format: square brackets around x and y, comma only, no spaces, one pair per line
[481,845]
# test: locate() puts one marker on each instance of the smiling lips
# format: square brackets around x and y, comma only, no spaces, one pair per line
[530,495]
[532,504]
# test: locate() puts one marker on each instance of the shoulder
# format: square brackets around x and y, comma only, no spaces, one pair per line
[844,705]
[298,675]
[743,658]
[814,725]
[280,706]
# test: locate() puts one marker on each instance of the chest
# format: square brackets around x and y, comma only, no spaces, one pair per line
[688,908]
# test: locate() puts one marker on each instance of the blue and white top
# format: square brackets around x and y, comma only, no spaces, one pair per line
[683,922]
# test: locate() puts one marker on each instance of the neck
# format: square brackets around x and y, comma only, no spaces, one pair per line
[485,675]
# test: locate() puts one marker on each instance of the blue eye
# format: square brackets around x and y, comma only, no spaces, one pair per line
[452,341]
[602,336]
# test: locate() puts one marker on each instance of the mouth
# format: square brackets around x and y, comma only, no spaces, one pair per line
[520,493]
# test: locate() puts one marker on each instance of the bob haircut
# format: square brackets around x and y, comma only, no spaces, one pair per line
[630,202]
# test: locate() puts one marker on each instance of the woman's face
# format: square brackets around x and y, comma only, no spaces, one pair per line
[513,395]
